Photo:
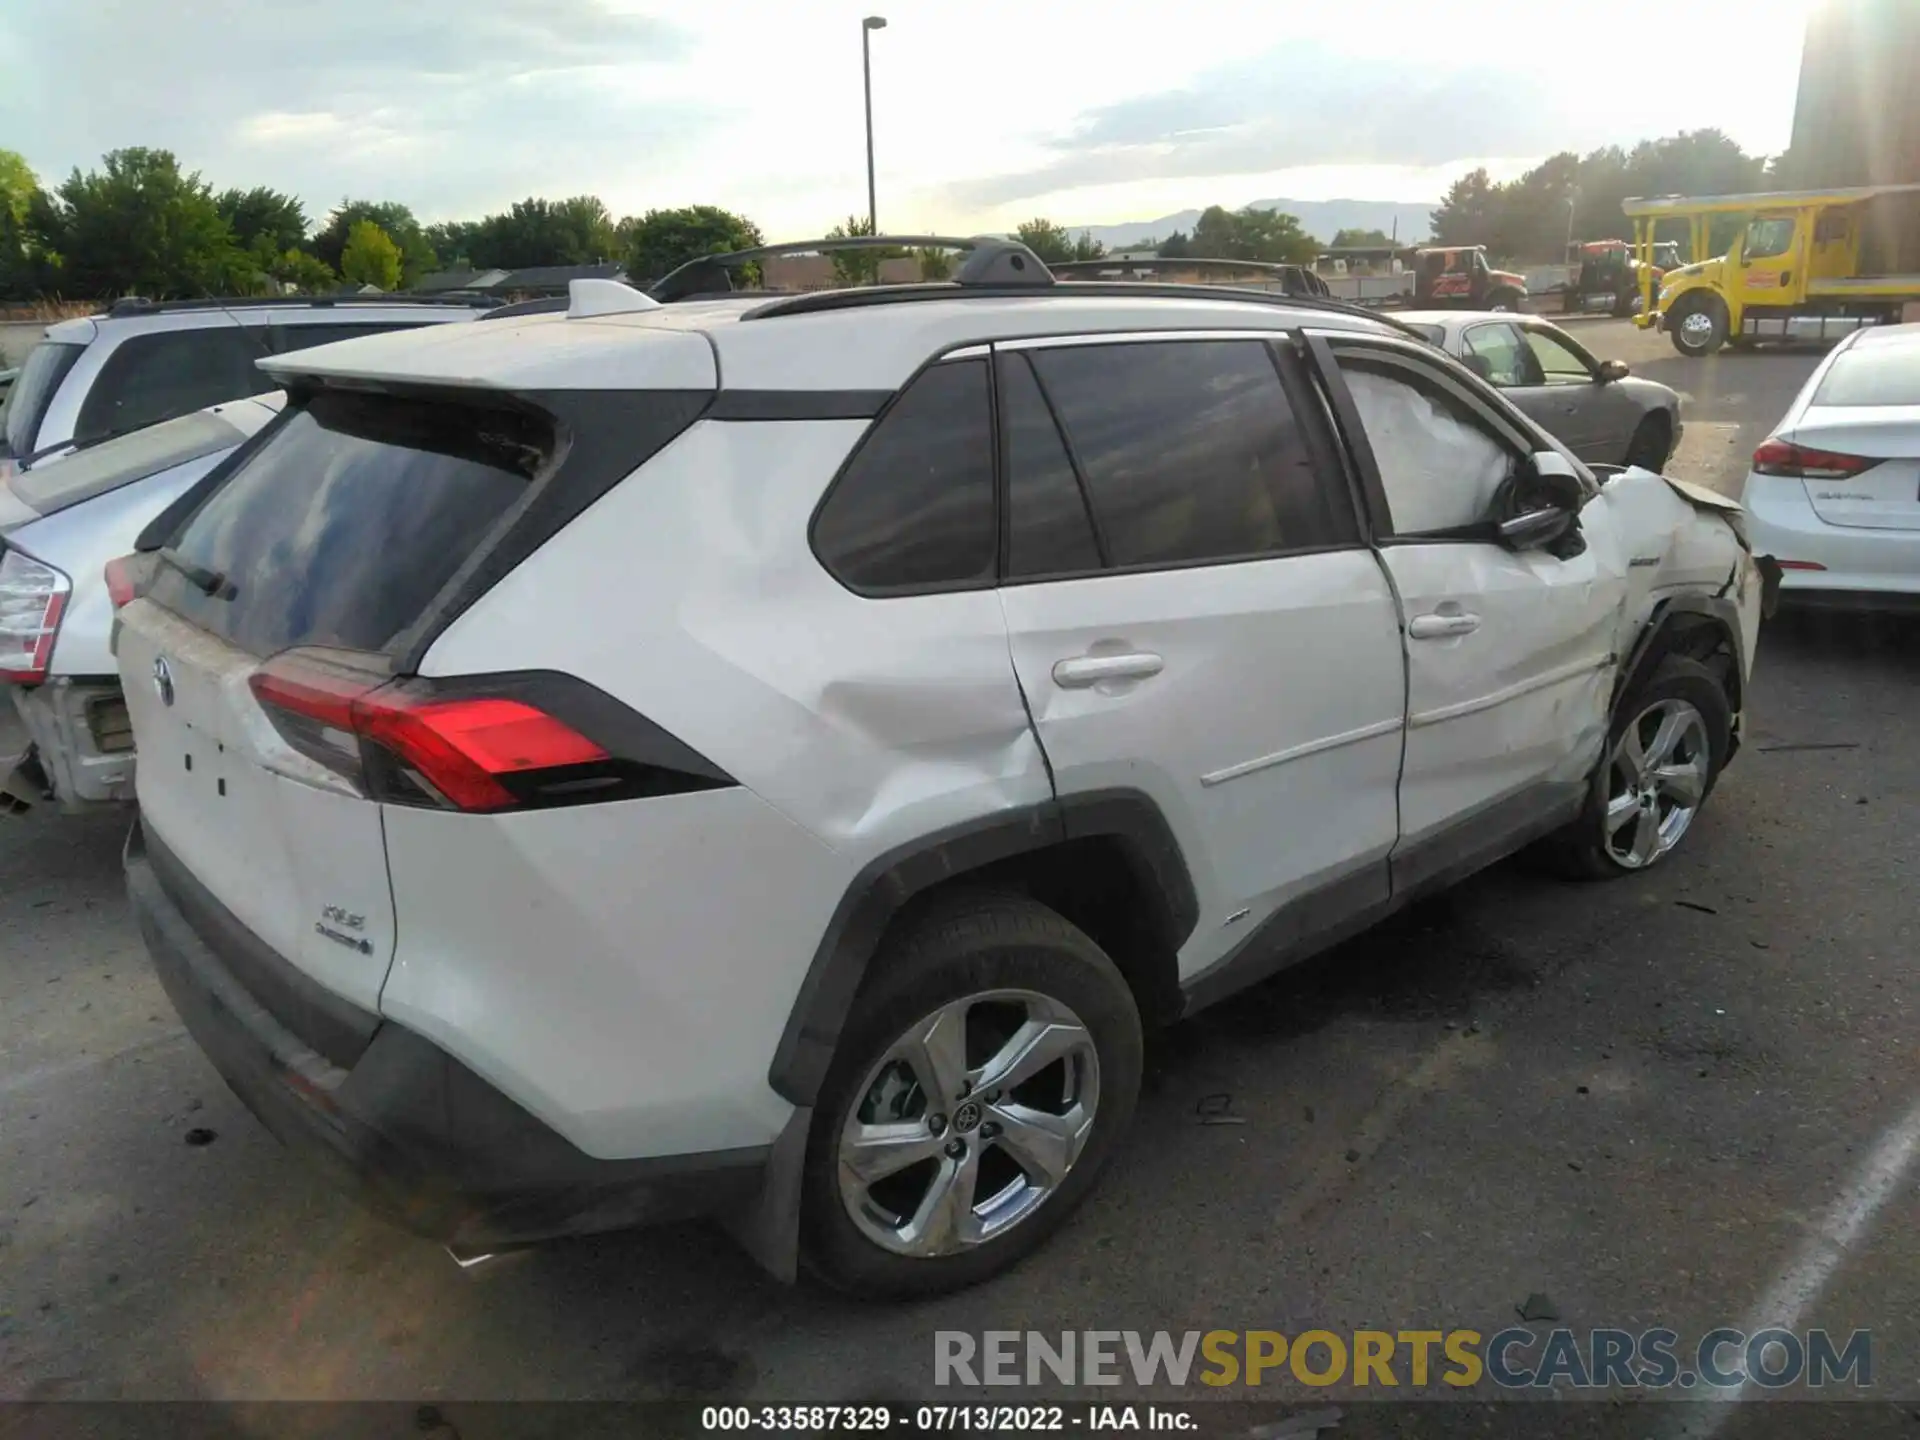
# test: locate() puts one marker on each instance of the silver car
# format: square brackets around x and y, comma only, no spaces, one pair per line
[1596,408]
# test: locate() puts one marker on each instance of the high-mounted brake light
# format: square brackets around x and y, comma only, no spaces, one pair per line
[33,597]
[409,746]
[1783,457]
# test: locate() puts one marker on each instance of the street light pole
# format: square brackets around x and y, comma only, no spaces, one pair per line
[1573,197]
[867,27]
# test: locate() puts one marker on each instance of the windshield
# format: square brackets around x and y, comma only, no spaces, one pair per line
[57,483]
[33,391]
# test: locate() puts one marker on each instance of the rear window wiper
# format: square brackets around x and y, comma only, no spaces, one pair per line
[207,582]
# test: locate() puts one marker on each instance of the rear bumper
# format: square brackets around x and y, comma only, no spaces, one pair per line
[1859,566]
[418,1136]
[78,737]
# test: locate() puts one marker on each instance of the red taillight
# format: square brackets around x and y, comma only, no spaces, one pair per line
[457,749]
[1783,457]
[33,597]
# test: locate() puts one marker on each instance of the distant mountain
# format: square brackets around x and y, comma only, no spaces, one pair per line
[1319,218]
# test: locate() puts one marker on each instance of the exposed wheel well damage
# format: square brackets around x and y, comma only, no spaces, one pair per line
[1696,628]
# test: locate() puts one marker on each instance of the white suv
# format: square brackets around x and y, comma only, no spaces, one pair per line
[143,361]
[772,757]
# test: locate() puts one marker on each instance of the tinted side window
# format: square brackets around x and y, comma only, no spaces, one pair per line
[1191,451]
[914,508]
[1049,530]
[1440,470]
[150,378]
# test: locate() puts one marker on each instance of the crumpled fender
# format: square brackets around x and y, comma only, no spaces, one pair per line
[1712,500]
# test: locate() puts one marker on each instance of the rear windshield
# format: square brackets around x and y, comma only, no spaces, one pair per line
[1873,375]
[56,483]
[33,390]
[345,524]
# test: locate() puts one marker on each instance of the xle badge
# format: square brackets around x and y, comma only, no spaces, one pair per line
[333,915]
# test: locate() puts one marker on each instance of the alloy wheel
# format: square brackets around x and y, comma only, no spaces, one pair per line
[1697,326]
[1656,781]
[968,1122]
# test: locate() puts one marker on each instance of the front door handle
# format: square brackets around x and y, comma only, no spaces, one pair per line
[1085,671]
[1440,625]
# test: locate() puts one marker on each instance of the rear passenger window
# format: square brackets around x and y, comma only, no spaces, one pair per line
[150,378]
[1190,451]
[914,508]
[1049,530]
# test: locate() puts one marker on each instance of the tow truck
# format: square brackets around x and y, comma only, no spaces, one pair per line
[1606,276]
[1808,265]
[1456,276]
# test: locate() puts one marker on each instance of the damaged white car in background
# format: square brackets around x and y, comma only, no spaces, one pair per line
[64,733]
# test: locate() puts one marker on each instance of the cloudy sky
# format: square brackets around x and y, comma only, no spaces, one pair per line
[986,112]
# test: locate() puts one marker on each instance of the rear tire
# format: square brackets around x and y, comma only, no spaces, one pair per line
[1010,1152]
[1652,443]
[1697,325]
[1619,832]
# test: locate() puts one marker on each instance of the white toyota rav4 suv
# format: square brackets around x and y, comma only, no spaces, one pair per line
[772,756]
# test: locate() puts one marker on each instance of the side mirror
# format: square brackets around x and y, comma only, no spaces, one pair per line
[1535,528]
[1611,370]
[1546,500]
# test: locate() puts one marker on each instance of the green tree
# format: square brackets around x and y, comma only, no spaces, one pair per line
[935,263]
[664,240]
[578,231]
[18,185]
[451,242]
[370,257]
[139,225]
[306,273]
[1251,234]
[398,223]
[1176,246]
[1468,212]
[1085,247]
[26,266]
[1046,239]
[263,213]
[859,267]
[1357,238]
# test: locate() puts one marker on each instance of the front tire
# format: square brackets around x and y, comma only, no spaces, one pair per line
[1697,325]
[982,1082]
[1670,738]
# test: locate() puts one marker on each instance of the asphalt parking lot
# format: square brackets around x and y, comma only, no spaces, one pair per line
[1688,1100]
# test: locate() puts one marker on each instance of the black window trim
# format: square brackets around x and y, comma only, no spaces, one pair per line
[1322,446]
[1517,439]
[1004,355]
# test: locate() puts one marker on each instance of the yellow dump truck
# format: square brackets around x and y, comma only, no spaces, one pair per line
[1809,265]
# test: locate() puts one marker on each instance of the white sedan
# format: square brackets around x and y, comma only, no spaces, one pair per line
[1834,493]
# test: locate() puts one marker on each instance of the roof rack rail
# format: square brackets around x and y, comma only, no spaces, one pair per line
[814,302]
[991,260]
[139,304]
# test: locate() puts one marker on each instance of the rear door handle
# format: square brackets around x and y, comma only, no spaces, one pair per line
[1440,625]
[1088,670]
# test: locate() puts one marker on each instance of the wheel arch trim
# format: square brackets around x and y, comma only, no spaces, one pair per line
[889,881]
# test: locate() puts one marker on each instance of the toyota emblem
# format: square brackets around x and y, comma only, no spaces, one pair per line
[163,679]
